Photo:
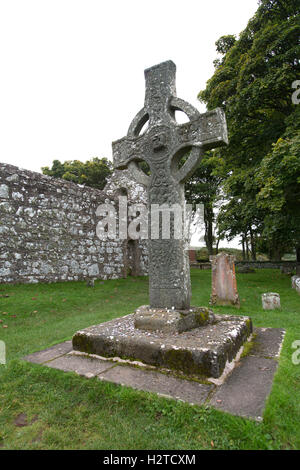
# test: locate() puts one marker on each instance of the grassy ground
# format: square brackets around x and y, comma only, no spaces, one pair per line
[42,408]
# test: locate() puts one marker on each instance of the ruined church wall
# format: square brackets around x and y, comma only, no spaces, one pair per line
[48,231]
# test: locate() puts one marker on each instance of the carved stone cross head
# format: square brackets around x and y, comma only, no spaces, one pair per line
[162,146]
[165,141]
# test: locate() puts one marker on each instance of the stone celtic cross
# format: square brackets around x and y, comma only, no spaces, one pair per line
[162,146]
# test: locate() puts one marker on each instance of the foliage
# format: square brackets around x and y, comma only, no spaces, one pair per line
[204,188]
[252,82]
[92,173]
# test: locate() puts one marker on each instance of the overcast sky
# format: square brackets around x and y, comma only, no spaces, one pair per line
[72,71]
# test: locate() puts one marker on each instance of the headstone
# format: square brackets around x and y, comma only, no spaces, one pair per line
[294,278]
[270,301]
[224,287]
[296,283]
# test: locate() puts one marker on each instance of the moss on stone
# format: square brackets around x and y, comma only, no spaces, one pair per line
[248,346]
[183,361]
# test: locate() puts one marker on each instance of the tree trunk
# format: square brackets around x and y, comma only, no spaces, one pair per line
[253,247]
[208,220]
[217,246]
[247,247]
[298,260]
[276,253]
[243,248]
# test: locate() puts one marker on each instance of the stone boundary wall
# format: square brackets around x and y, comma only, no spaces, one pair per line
[48,230]
[268,264]
[255,264]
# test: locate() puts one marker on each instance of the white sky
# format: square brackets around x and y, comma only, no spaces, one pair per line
[72,71]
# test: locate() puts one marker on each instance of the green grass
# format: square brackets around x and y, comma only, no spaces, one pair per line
[64,411]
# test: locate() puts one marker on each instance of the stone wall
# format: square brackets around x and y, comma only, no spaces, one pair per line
[257,265]
[268,264]
[48,229]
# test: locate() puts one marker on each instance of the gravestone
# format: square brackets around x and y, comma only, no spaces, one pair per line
[296,283]
[168,332]
[270,300]
[224,288]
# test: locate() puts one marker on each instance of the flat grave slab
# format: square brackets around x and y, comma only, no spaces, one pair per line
[243,392]
[48,354]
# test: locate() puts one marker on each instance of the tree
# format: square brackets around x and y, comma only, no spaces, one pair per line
[93,173]
[279,180]
[253,83]
[203,188]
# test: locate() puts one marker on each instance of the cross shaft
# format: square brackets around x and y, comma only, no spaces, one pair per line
[162,146]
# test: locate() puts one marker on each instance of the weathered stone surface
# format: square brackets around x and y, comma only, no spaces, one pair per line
[243,393]
[172,321]
[291,265]
[246,270]
[202,351]
[267,342]
[224,288]
[50,353]
[87,366]
[161,147]
[186,390]
[247,387]
[4,191]
[48,229]
[245,390]
[270,300]
[296,283]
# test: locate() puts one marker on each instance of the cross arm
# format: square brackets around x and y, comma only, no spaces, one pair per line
[206,131]
[127,152]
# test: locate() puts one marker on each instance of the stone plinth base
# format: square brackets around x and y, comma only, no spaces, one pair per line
[171,321]
[202,351]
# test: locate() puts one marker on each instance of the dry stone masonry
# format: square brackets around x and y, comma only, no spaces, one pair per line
[48,229]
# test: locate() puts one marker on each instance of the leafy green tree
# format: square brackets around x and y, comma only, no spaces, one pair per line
[92,173]
[204,188]
[279,180]
[253,84]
